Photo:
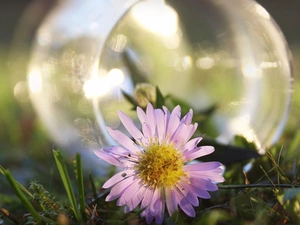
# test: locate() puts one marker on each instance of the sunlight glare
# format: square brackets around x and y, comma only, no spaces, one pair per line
[250,70]
[157,17]
[115,77]
[205,63]
[35,81]
[96,87]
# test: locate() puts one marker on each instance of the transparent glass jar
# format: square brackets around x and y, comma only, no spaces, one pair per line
[224,53]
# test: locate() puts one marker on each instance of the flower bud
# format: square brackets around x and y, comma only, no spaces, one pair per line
[144,93]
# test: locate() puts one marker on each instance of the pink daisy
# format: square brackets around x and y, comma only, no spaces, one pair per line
[156,170]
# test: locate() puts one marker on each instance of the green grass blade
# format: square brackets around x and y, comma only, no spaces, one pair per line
[94,191]
[279,170]
[295,143]
[3,171]
[80,185]
[22,197]
[66,181]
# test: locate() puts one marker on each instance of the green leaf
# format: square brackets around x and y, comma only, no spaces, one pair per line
[137,73]
[185,106]
[160,100]
[291,193]
[66,181]
[130,99]
[80,185]
[213,217]
[243,142]
[290,200]
[16,187]
[248,206]
[227,154]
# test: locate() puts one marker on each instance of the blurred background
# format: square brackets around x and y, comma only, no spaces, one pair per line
[24,143]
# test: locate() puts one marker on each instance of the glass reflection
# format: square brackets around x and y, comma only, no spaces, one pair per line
[208,53]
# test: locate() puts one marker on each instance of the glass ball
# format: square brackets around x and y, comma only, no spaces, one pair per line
[226,55]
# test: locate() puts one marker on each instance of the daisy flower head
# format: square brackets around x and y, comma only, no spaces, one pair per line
[156,173]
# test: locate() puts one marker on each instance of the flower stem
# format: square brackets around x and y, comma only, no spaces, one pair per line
[242,186]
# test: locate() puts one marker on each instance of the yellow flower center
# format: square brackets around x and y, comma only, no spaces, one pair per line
[160,166]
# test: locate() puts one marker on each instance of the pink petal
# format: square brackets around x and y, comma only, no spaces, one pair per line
[147,133]
[200,183]
[156,197]
[122,154]
[171,201]
[203,166]
[161,211]
[219,170]
[123,140]
[174,121]
[135,199]
[161,125]
[110,197]
[129,192]
[201,193]
[187,119]
[118,177]
[108,158]
[117,156]
[149,218]
[141,115]
[198,152]
[177,137]
[119,188]
[141,193]
[191,144]
[150,119]
[184,204]
[130,127]
[167,113]
[183,134]
[147,198]
[188,193]
[190,132]
[176,111]
[187,208]
[208,175]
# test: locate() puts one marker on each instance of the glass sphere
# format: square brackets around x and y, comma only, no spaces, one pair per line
[228,55]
